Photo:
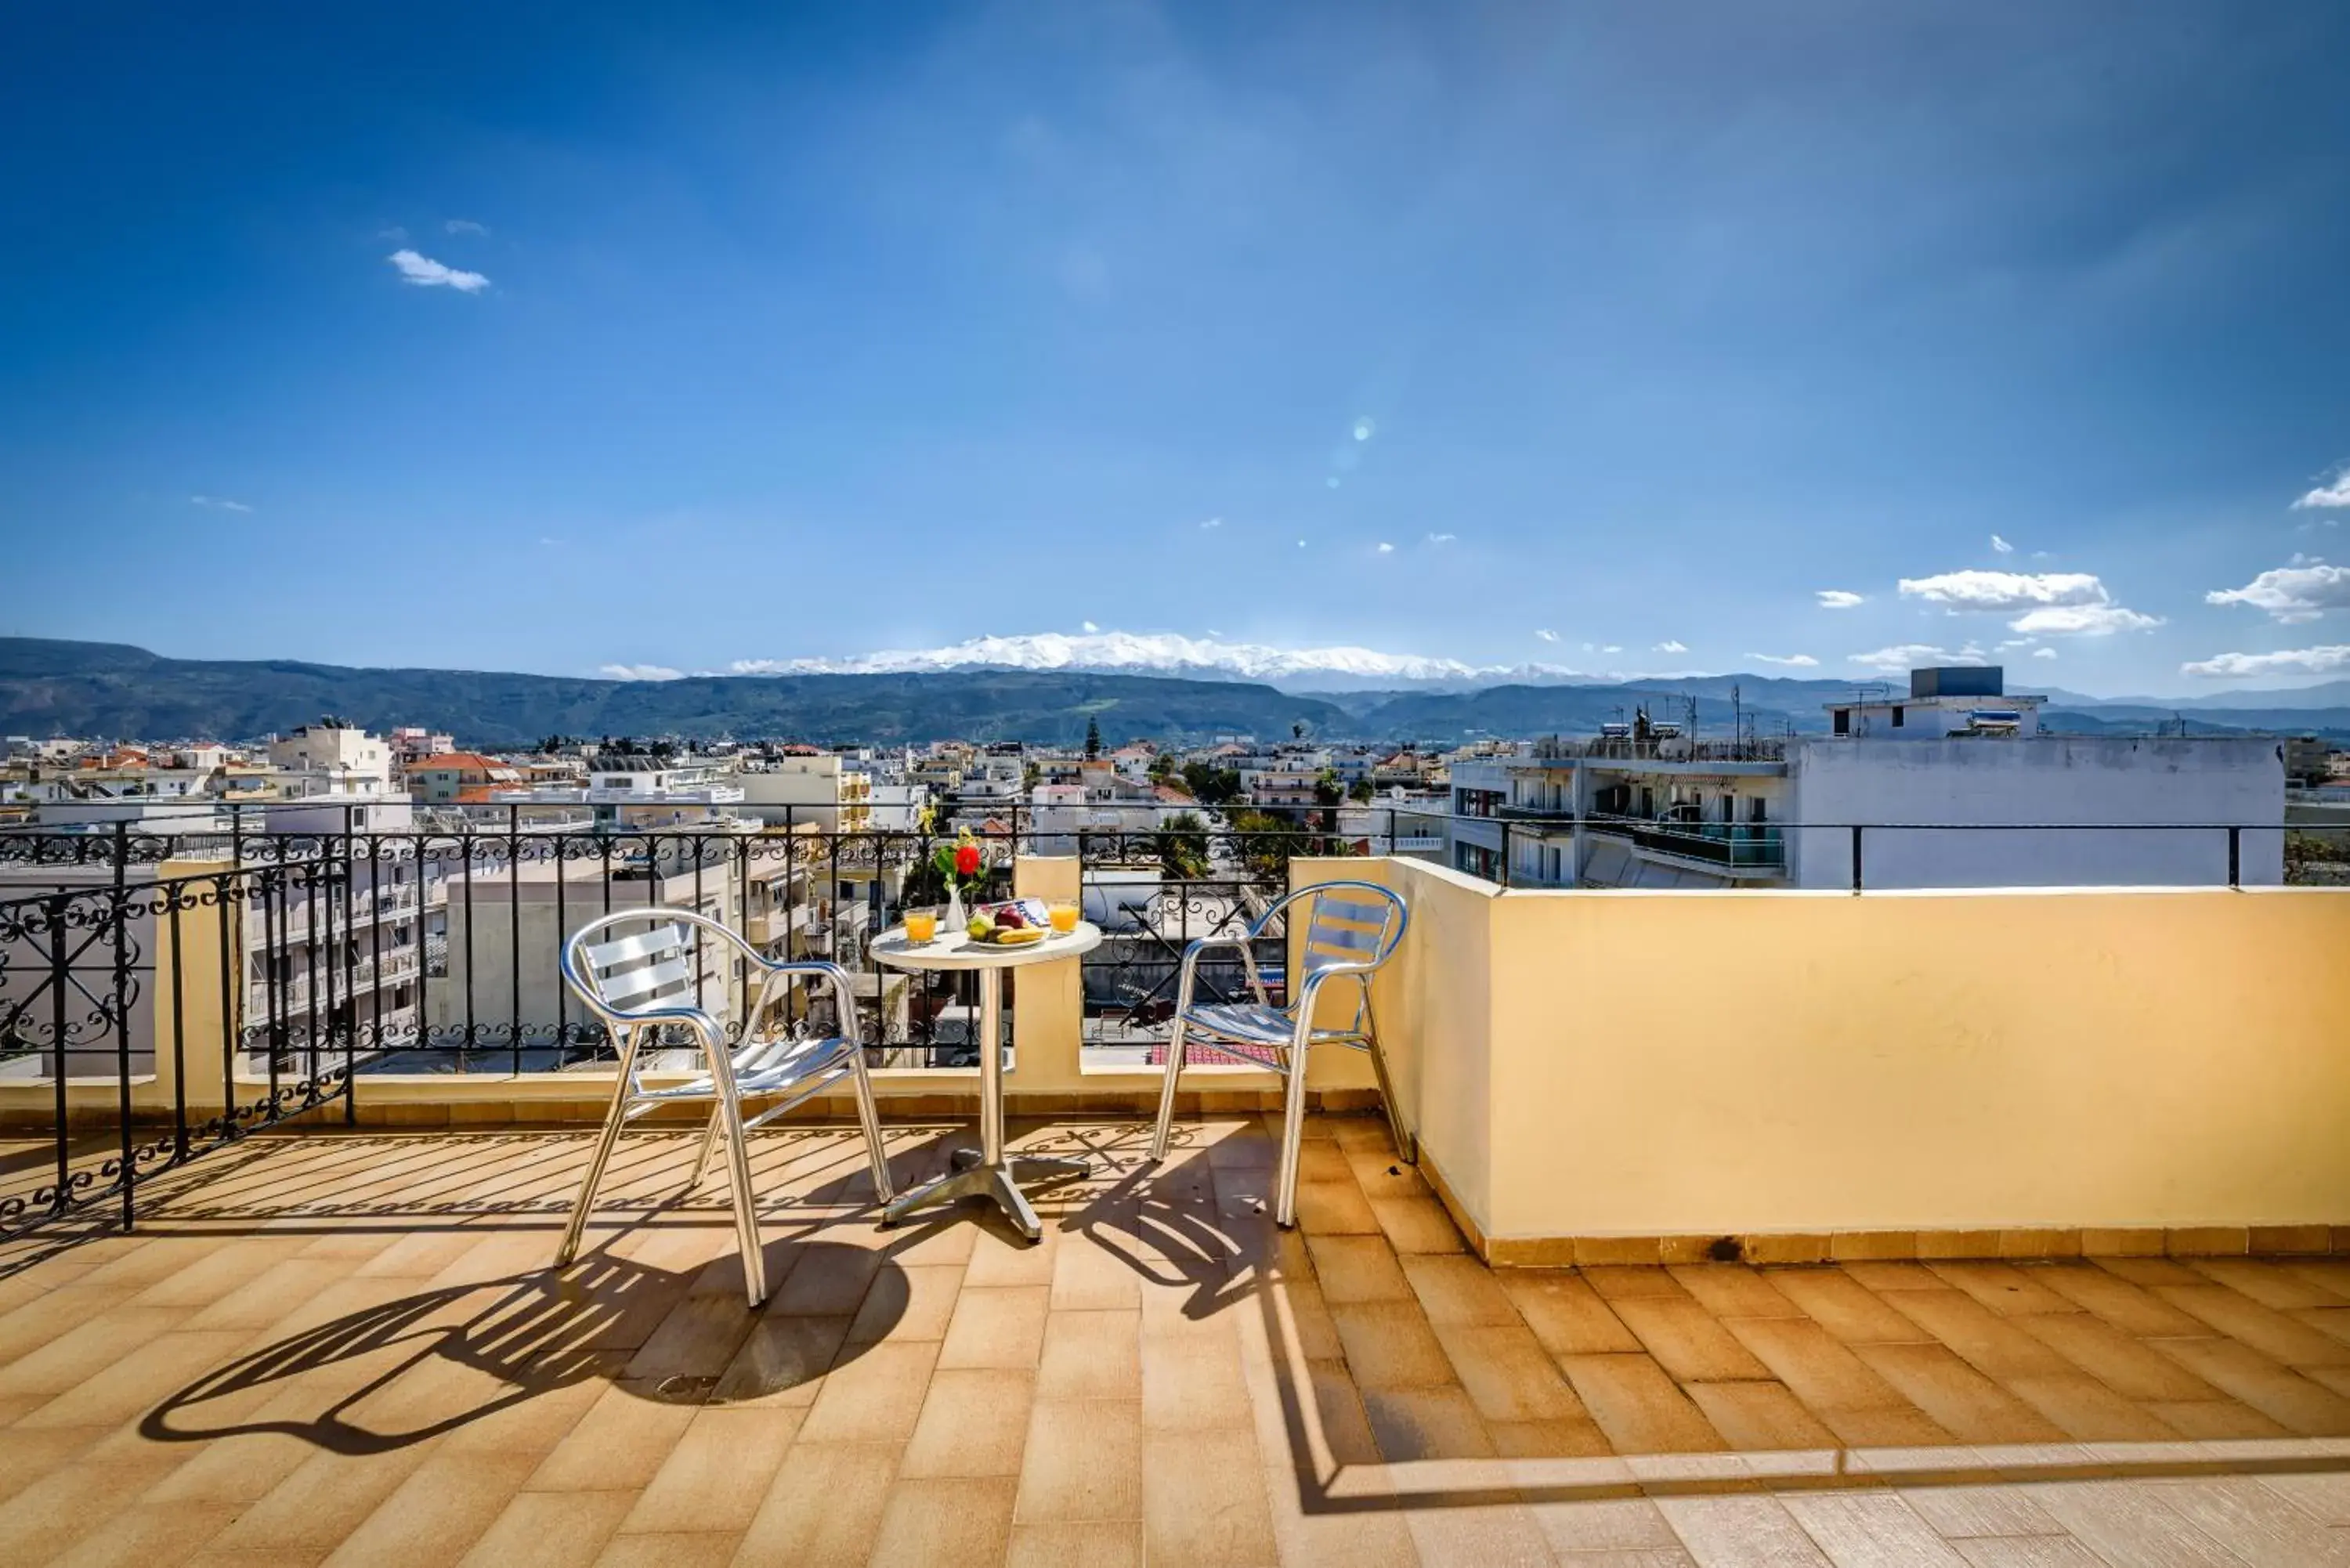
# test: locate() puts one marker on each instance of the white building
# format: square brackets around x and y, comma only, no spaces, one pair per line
[333,748]
[821,789]
[1955,786]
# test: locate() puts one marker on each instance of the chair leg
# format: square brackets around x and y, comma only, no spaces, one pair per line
[1292,1133]
[869,1115]
[746,1209]
[578,1224]
[1407,1147]
[1175,1047]
[709,1142]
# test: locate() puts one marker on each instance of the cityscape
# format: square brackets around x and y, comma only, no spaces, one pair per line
[1107,783]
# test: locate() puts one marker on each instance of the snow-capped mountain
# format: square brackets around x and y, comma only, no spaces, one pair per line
[1167,653]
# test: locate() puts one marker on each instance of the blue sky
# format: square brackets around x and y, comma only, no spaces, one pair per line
[545,338]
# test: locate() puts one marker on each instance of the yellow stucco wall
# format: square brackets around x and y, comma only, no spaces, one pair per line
[1696,1064]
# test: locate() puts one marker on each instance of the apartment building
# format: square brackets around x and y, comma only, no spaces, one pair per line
[820,788]
[411,744]
[445,776]
[333,748]
[1954,785]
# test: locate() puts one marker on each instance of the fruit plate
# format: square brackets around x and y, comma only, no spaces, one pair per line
[1016,937]
[1030,924]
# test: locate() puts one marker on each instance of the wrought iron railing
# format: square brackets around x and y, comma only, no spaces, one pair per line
[130,1004]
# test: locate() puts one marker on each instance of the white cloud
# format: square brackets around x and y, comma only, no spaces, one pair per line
[1164,653]
[424,272]
[1910,655]
[551,542]
[2083,620]
[1792,660]
[639,672]
[1089,626]
[395,234]
[1547,636]
[1386,549]
[2070,604]
[2001,545]
[2298,592]
[465,226]
[1839,599]
[2335,492]
[2292,661]
[1301,543]
[1442,538]
[218,504]
[1672,645]
[2043,653]
[2006,590]
[1613,647]
[1214,523]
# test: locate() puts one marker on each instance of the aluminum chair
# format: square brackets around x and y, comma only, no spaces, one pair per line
[1353,928]
[643,984]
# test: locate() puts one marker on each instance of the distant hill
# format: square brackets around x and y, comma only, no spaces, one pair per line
[50,687]
[112,690]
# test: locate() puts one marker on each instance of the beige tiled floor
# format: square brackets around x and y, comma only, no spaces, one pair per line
[349,1349]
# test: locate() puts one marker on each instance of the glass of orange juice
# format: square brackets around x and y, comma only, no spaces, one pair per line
[1065,918]
[922,926]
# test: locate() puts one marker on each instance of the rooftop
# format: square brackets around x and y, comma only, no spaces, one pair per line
[350,1347]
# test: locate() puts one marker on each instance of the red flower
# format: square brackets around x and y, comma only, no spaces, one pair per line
[967,860]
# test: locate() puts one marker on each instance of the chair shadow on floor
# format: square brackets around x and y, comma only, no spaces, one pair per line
[410,1370]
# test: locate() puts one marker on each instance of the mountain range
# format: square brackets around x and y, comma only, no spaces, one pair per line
[1364,673]
[54,687]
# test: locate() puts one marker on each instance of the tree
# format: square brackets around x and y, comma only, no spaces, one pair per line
[1360,791]
[1328,794]
[1210,785]
[1093,739]
[1162,767]
[1265,843]
[1183,846]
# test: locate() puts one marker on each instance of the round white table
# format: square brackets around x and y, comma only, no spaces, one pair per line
[984,1172]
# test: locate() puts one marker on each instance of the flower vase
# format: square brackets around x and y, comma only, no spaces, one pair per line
[956,920]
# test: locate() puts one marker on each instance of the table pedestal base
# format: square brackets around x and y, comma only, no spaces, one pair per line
[974,1178]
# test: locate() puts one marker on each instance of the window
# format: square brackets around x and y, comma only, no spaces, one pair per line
[1843,725]
[1898,715]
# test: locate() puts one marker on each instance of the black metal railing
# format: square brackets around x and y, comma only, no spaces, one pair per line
[1859,856]
[436,949]
[126,998]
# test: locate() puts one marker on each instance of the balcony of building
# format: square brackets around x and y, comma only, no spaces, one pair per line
[1973,1227]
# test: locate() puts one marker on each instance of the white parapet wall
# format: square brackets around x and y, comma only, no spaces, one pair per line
[1595,1064]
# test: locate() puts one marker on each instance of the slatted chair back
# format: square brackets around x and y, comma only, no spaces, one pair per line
[641,972]
[1352,923]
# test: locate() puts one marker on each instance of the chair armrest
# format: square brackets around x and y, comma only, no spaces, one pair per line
[843,999]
